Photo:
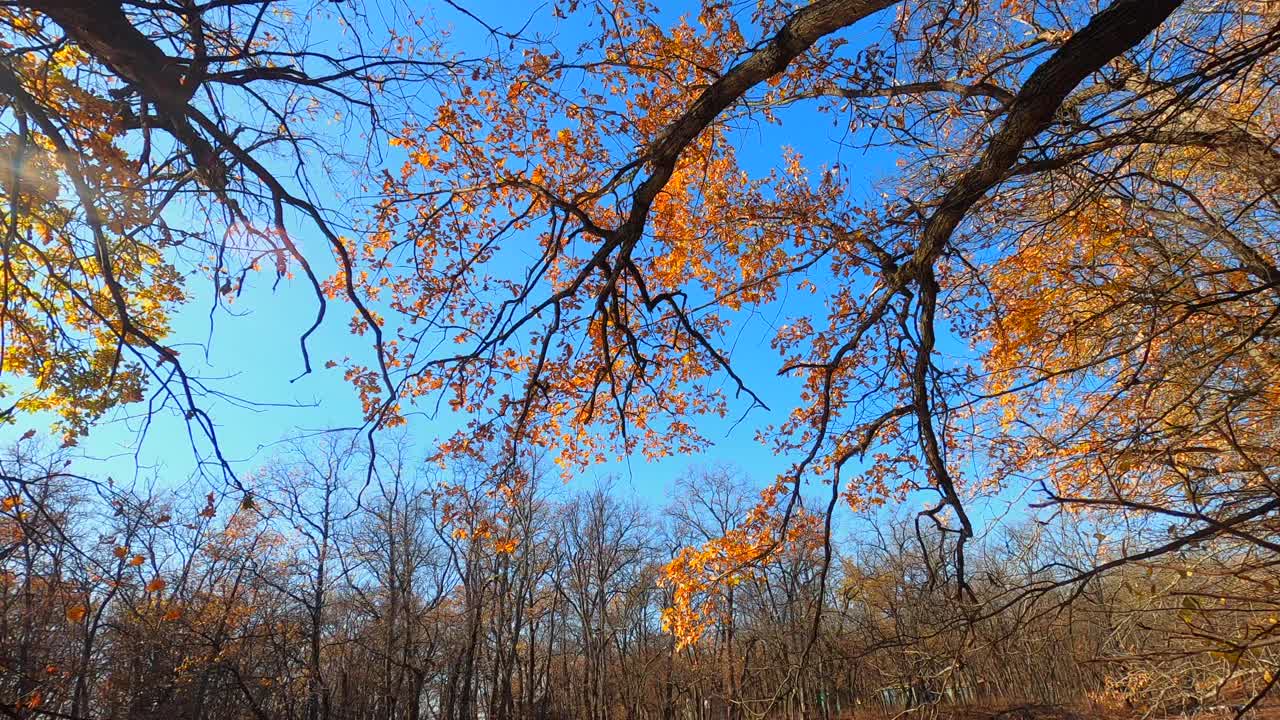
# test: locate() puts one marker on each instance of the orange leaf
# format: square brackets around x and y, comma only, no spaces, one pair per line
[137,560]
[120,552]
[76,613]
[156,585]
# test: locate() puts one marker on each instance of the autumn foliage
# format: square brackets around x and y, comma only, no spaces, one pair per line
[967,269]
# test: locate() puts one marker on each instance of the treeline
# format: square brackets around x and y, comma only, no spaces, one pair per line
[329,593]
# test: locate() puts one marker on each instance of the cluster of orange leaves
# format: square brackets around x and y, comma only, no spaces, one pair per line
[700,577]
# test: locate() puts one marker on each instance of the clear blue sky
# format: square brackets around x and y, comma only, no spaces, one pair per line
[256,354]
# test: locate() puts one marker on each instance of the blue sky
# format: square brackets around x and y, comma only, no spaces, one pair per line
[254,354]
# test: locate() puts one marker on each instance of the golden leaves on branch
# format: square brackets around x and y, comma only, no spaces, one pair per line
[700,577]
[62,330]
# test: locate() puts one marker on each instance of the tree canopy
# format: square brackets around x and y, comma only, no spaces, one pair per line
[1028,251]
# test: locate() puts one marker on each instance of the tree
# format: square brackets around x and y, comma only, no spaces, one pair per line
[146,142]
[1066,293]
[711,503]
[1125,369]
